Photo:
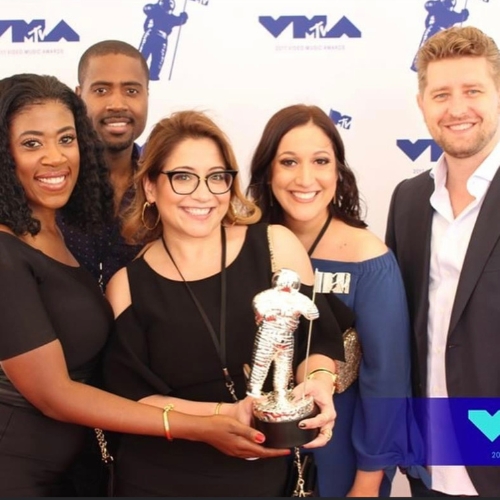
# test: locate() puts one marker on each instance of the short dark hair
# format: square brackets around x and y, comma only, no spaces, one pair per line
[105,48]
[90,203]
[346,204]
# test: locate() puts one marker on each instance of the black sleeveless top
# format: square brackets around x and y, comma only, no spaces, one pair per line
[161,346]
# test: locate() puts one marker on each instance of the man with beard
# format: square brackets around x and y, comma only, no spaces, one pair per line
[444,227]
[113,80]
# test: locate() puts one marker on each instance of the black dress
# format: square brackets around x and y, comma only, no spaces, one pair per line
[42,300]
[161,346]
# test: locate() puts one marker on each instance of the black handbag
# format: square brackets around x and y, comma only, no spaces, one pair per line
[92,474]
[302,476]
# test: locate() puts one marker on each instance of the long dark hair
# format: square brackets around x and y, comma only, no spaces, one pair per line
[345,205]
[90,203]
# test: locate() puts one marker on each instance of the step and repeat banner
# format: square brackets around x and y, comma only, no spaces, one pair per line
[242,60]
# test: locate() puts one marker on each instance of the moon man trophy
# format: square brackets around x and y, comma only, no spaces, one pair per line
[277,314]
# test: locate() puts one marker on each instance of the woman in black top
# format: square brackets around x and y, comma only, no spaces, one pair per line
[53,319]
[170,314]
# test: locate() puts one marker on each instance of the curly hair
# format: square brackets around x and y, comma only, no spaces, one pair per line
[166,135]
[90,203]
[345,205]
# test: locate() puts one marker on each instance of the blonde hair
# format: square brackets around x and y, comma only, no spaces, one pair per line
[166,135]
[454,43]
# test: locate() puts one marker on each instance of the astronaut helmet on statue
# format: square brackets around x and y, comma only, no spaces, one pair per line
[286,280]
[168,5]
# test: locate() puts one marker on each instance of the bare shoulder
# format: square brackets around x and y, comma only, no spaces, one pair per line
[366,245]
[118,292]
[290,253]
[353,244]
[284,241]
[6,229]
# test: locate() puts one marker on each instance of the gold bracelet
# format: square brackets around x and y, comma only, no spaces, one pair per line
[166,425]
[324,370]
[218,407]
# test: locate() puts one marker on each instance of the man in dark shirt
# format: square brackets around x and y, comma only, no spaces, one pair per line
[113,80]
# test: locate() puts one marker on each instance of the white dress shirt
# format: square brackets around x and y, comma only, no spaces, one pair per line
[449,243]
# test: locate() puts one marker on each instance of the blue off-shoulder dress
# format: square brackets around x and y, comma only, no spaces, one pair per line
[375,427]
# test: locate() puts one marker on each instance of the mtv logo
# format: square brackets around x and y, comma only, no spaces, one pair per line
[339,119]
[315,27]
[35,31]
[414,150]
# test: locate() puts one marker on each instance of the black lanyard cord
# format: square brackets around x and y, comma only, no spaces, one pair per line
[219,344]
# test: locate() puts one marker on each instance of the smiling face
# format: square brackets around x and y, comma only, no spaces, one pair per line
[304,175]
[44,147]
[461,106]
[197,214]
[115,91]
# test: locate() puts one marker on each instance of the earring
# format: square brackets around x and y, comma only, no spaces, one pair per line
[143,218]
[271,203]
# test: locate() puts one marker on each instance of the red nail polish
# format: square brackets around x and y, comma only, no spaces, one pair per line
[260,438]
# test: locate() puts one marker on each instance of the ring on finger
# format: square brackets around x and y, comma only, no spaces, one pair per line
[327,433]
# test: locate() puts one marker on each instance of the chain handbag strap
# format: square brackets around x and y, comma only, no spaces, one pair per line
[106,457]
[299,487]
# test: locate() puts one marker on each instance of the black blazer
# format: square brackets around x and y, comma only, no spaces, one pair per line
[473,346]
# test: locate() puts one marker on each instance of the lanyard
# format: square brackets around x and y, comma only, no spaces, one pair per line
[220,346]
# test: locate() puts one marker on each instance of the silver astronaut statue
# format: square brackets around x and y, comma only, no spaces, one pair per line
[277,314]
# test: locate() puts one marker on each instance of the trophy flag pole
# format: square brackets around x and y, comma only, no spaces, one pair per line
[176,44]
[309,334]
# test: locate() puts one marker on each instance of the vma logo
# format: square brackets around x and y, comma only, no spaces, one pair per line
[343,121]
[414,150]
[315,27]
[488,424]
[35,31]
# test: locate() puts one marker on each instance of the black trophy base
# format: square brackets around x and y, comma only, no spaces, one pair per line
[287,434]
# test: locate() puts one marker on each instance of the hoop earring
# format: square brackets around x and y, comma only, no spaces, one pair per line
[143,213]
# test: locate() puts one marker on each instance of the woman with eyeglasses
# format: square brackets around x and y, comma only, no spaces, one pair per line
[54,321]
[184,324]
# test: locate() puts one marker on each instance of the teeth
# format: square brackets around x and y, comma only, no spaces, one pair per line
[462,126]
[198,211]
[52,180]
[304,196]
[116,124]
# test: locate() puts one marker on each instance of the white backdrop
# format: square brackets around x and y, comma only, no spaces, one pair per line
[242,60]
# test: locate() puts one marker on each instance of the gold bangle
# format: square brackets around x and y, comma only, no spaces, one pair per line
[218,407]
[324,370]
[166,425]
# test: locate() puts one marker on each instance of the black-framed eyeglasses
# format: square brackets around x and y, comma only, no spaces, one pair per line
[184,182]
